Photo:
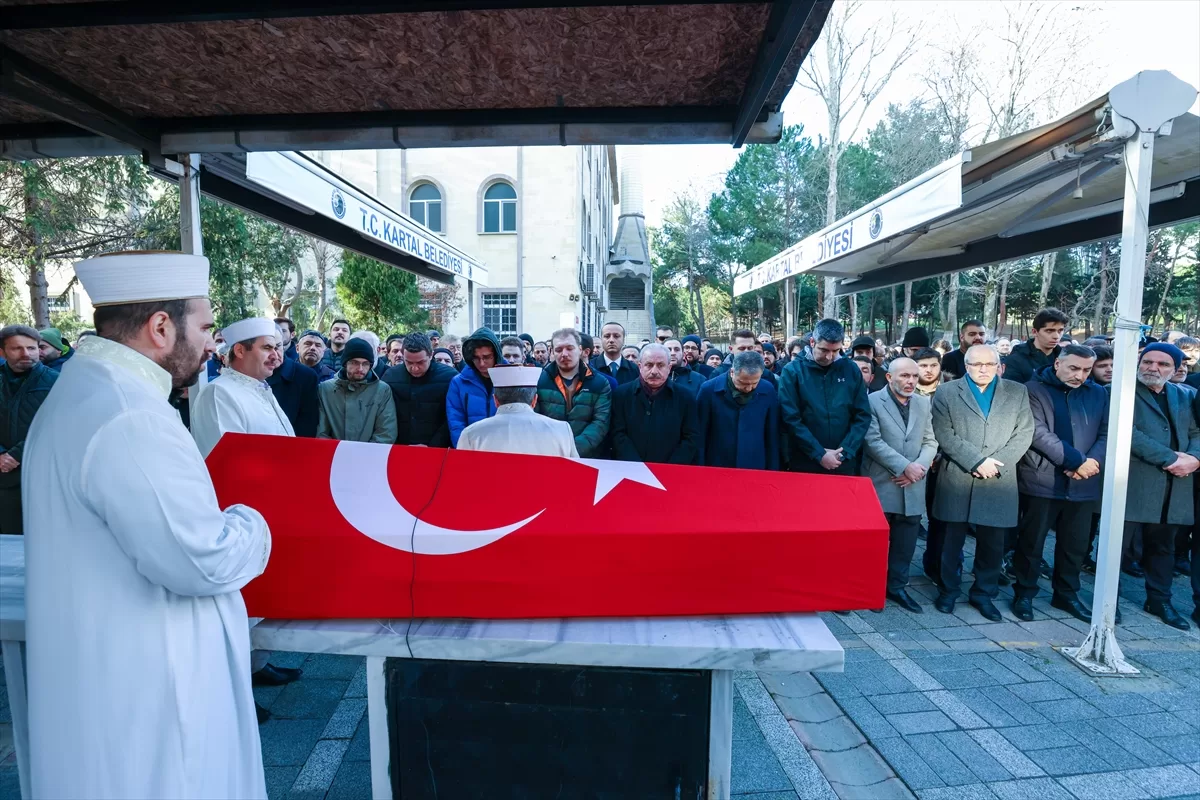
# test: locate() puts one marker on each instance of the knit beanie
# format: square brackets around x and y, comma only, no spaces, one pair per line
[691,337]
[770,348]
[1162,347]
[358,348]
[53,336]
[915,337]
[865,341]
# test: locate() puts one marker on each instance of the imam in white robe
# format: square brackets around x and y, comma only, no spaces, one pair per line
[138,645]
[236,403]
[517,428]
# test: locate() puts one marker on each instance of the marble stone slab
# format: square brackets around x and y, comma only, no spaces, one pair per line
[767,643]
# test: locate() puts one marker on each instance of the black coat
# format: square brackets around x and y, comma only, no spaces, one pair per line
[1025,361]
[627,371]
[295,387]
[687,378]
[665,431]
[824,408]
[421,404]
[19,402]
[1040,471]
[954,363]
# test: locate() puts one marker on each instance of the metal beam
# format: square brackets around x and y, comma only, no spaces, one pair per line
[317,225]
[156,12]
[784,26]
[32,84]
[995,249]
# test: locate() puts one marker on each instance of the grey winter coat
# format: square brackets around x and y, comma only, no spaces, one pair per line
[890,446]
[1151,451]
[966,438]
[357,411]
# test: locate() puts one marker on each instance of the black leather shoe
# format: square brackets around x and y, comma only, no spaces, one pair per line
[263,714]
[1022,608]
[903,599]
[988,609]
[271,675]
[945,603]
[1073,607]
[1167,613]
[1134,570]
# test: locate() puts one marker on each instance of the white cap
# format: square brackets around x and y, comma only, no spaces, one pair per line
[143,277]
[247,329]
[509,376]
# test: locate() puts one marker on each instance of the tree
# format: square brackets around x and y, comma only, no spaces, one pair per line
[378,297]
[858,62]
[273,260]
[64,210]
[324,256]
[682,245]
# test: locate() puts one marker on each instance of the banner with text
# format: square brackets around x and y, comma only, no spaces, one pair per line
[303,181]
[926,200]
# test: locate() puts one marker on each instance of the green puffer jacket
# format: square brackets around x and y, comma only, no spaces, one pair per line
[20,399]
[357,411]
[588,411]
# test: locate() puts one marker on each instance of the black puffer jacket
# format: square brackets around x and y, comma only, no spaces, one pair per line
[1025,361]
[20,399]
[824,408]
[421,404]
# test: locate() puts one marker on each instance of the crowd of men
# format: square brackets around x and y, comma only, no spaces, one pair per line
[137,637]
[1001,446]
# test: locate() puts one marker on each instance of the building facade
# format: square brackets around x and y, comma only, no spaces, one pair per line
[539,218]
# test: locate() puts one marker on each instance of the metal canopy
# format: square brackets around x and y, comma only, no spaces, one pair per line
[131,76]
[299,193]
[1056,186]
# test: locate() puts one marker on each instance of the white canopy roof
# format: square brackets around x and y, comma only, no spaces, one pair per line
[1003,200]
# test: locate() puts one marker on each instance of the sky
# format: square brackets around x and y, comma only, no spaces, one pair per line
[1125,37]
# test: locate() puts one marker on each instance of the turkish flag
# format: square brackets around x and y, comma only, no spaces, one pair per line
[374,531]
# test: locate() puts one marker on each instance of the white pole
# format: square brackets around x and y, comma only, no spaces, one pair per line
[1100,651]
[190,238]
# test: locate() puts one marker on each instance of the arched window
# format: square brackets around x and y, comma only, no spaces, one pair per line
[425,206]
[500,209]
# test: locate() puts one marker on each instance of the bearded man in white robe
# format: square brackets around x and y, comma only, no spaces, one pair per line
[240,400]
[138,643]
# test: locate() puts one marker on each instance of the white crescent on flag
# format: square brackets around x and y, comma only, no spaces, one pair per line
[358,480]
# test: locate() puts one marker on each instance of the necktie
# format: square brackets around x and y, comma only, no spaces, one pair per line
[613,368]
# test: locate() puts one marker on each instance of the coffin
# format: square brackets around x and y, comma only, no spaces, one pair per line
[376,531]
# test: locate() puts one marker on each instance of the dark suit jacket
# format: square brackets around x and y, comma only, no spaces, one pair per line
[665,431]
[295,387]
[626,372]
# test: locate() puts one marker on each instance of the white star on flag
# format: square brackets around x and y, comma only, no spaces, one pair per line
[611,473]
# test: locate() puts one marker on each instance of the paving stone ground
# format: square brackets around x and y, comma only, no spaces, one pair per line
[932,706]
[960,707]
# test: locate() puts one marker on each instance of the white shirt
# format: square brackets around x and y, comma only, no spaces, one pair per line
[138,645]
[517,428]
[238,403]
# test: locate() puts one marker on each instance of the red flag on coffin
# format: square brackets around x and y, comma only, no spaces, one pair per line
[376,531]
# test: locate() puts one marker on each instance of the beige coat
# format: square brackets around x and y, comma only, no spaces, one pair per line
[890,446]
[517,428]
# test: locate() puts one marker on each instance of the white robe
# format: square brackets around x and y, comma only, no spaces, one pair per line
[138,643]
[238,403]
[517,428]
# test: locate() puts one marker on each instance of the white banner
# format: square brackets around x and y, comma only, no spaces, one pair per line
[926,200]
[307,183]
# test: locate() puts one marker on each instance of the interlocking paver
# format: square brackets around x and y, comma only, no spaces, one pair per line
[1168,781]
[1030,789]
[287,742]
[1160,724]
[956,710]
[1021,711]
[1130,742]
[1042,690]
[1009,757]
[900,703]
[1184,748]
[345,719]
[1037,737]
[868,719]
[974,791]
[908,764]
[975,757]
[941,759]
[920,722]
[1068,760]
[832,735]
[1067,710]
[1107,785]
[321,767]
[986,708]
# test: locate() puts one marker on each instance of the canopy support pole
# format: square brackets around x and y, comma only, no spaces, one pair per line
[1100,652]
[789,312]
[190,238]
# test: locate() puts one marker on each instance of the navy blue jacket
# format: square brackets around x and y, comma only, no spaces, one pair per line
[768,376]
[824,408]
[733,435]
[295,387]
[687,378]
[1082,412]
[57,364]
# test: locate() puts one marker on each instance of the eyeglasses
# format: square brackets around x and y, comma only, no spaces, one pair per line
[983,364]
